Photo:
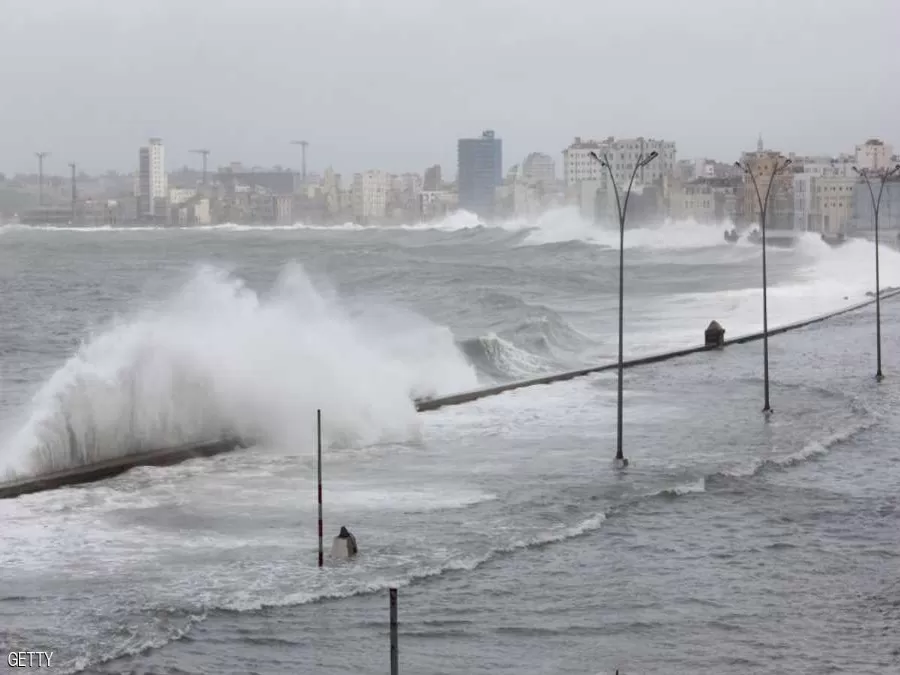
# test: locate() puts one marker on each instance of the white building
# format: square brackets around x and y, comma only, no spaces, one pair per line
[153,182]
[622,154]
[809,212]
[874,155]
[823,203]
[369,194]
[539,168]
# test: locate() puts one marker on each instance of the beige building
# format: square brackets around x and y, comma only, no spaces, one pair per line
[874,155]
[832,204]
[705,200]
[779,212]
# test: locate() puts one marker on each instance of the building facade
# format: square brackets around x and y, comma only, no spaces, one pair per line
[888,211]
[780,208]
[539,168]
[432,181]
[480,173]
[874,155]
[622,154]
[152,183]
[369,195]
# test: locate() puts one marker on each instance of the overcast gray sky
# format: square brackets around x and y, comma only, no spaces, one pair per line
[393,83]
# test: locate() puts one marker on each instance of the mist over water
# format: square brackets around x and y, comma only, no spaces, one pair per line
[217,358]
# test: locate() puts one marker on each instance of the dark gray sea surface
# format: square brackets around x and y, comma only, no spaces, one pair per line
[733,543]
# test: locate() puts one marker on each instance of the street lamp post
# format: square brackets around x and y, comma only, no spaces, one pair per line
[876,205]
[763,207]
[622,208]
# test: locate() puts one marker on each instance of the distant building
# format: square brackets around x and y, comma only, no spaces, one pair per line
[180,195]
[369,195]
[780,208]
[274,182]
[152,183]
[823,203]
[704,200]
[874,155]
[539,168]
[888,211]
[480,173]
[436,203]
[432,182]
[622,154]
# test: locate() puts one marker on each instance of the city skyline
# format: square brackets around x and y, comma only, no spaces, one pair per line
[245,80]
[448,169]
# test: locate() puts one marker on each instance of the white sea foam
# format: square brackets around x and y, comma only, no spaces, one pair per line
[218,358]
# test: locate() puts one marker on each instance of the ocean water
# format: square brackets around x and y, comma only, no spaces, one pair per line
[732,544]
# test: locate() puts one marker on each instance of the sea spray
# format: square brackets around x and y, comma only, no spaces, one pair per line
[219,359]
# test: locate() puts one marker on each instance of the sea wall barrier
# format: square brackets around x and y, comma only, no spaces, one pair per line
[424,405]
[117,465]
[168,456]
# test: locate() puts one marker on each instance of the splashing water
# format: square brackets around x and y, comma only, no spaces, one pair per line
[218,359]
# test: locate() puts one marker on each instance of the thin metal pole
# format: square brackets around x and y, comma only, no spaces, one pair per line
[622,211]
[765,279]
[619,452]
[319,462]
[878,374]
[876,206]
[395,648]
[763,210]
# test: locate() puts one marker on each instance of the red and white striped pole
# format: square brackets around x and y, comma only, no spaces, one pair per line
[319,453]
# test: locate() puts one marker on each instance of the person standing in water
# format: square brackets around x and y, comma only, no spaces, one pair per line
[344,545]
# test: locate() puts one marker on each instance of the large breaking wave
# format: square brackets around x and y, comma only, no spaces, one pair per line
[219,358]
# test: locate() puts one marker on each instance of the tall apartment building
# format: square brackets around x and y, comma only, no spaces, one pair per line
[369,195]
[480,173]
[153,183]
[622,154]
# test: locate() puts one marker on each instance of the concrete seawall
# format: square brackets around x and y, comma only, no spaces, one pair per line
[424,405]
[113,467]
[167,456]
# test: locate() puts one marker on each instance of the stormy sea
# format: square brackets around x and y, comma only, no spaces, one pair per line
[733,543]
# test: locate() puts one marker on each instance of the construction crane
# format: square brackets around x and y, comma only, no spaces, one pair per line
[205,153]
[303,145]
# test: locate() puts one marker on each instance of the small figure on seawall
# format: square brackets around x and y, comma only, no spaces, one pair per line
[344,545]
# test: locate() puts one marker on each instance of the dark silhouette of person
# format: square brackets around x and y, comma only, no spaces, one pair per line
[352,549]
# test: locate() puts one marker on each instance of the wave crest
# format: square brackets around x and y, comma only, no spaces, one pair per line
[218,358]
